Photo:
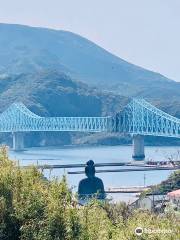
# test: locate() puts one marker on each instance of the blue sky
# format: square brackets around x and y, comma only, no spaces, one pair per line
[144,32]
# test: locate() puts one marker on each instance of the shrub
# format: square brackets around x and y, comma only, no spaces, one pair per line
[32,208]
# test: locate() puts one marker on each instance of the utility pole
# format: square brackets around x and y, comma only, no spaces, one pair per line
[144,180]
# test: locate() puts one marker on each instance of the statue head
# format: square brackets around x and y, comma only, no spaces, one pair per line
[90,169]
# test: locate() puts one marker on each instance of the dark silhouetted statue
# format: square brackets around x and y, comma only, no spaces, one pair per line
[91,186]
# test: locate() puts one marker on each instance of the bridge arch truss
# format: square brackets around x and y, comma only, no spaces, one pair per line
[140,117]
[137,118]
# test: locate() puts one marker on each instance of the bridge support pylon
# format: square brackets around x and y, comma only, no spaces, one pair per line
[18,141]
[138,147]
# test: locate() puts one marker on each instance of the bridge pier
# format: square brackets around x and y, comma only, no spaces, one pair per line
[18,141]
[138,147]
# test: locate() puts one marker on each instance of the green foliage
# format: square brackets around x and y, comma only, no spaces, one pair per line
[32,208]
[171,184]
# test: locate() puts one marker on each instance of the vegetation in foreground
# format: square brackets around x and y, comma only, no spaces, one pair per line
[32,208]
[168,185]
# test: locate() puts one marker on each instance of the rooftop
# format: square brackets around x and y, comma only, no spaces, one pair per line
[175,193]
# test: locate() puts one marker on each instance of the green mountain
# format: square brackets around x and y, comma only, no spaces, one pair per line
[25,49]
[52,93]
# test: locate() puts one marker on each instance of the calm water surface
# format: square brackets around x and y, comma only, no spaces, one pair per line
[69,155]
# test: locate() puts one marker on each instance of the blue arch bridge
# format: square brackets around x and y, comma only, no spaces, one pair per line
[139,118]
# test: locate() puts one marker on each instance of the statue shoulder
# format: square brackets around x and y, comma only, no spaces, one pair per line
[99,180]
[84,180]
